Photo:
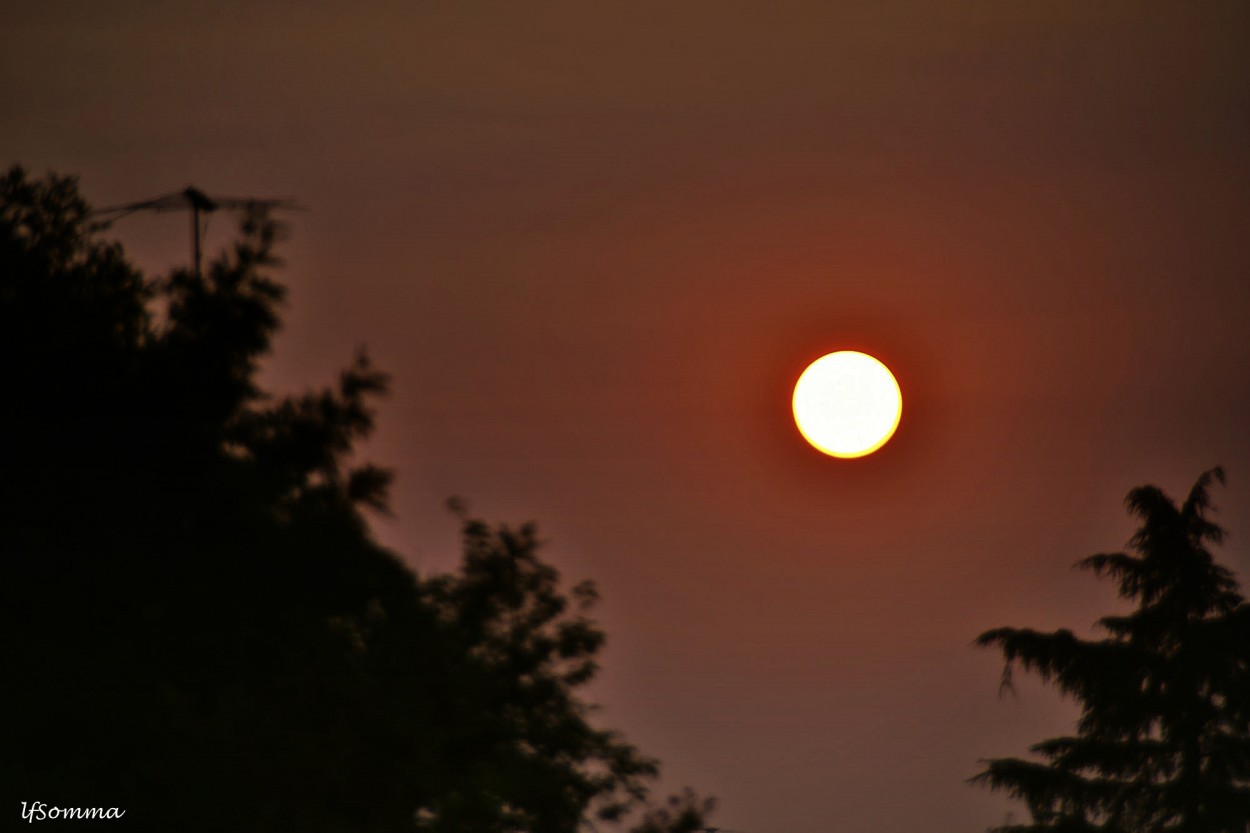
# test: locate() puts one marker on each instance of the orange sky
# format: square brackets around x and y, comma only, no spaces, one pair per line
[595,243]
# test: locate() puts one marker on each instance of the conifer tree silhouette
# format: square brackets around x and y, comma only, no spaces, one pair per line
[1163,740]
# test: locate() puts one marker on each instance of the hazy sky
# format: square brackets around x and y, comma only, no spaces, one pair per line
[595,243]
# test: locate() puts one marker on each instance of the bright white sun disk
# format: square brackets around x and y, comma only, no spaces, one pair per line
[847,404]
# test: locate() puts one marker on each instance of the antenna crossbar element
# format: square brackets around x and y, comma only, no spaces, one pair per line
[195,200]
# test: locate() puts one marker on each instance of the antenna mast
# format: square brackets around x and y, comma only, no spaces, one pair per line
[199,203]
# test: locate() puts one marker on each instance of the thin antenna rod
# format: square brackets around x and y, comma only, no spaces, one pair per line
[199,203]
[195,237]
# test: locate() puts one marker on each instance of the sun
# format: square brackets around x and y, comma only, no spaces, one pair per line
[847,404]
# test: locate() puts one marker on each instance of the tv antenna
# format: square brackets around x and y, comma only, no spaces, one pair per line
[199,203]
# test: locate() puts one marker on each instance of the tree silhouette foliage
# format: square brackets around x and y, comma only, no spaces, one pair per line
[199,627]
[1163,740]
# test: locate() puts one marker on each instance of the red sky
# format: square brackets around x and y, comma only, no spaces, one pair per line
[595,243]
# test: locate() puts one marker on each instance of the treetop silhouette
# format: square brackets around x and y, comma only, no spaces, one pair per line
[1163,739]
[202,628]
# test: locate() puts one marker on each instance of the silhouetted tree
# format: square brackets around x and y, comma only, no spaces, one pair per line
[684,813]
[1163,740]
[532,760]
[198,625]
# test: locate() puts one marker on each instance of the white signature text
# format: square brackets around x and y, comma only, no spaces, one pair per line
[39,811]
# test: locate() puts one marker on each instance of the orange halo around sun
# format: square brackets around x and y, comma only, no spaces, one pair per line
[847,404]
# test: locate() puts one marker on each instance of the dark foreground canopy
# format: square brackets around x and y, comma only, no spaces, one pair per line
[1163,741]
[199,628]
